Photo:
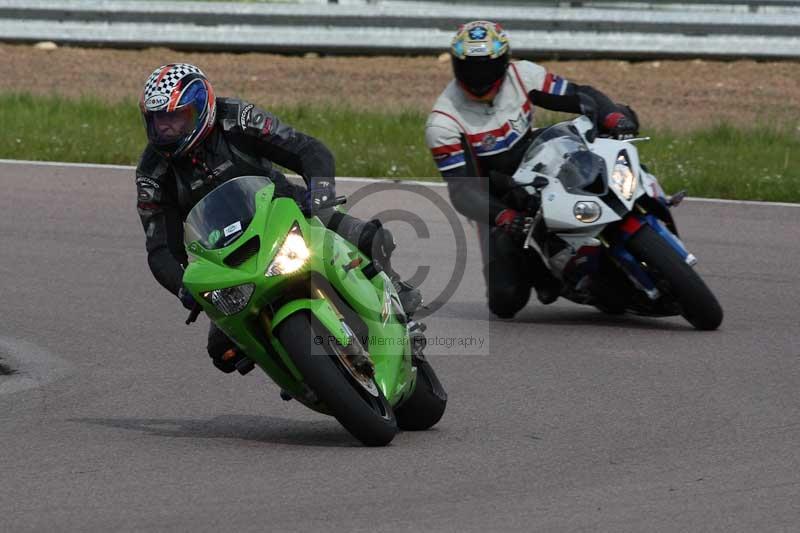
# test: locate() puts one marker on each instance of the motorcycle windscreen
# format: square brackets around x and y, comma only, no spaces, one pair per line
[583,172]
[551,144]
[225,213]
[560,152]
[562,130]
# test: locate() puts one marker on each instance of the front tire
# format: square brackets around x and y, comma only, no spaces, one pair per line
[369,419]
[698,304]
[427,403]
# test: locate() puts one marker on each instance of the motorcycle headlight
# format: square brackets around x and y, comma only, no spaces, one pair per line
[587,212]
[623,179]
[292,254]
[231,300]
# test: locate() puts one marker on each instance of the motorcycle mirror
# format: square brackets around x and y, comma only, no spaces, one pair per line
[540,182]
[196,310]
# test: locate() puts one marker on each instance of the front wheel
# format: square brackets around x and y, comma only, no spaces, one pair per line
[698,304]
[358,404]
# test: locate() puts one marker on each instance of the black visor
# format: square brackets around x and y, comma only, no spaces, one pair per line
[479,74]
[167,128]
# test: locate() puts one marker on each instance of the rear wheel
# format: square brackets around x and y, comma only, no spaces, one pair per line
[352,397]
[427,403]
[698,304]
[614,310]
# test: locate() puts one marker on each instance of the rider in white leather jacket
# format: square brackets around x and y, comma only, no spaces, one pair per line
[478,132]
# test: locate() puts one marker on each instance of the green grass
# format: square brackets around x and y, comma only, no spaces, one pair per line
[761,163]
[55,129]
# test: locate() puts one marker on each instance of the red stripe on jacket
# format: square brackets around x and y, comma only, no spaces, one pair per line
[548,83]
[447,149]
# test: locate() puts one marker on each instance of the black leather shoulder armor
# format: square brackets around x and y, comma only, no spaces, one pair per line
[242,117]
[152,175]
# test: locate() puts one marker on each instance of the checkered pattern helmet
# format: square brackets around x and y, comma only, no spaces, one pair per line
[480,52]
[179,108]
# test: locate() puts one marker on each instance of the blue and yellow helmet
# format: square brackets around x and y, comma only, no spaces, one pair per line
[480,38]
[480,52]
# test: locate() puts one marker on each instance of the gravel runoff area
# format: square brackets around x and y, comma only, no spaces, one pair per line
[676,95]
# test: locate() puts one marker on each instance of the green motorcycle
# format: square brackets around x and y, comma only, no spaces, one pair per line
[310,309]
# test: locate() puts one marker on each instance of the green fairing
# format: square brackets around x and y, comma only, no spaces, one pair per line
[388,344]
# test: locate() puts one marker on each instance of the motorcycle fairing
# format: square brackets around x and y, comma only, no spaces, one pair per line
[251,328]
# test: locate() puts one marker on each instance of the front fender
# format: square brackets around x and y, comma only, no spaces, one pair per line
[631,225]
[659,208]
[633,222]
[322,309]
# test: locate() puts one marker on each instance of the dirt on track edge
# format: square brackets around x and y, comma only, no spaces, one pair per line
[674,95]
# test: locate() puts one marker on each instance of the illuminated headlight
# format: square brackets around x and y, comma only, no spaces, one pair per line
[587,212]
[232,300]
[623,179]
[292,255]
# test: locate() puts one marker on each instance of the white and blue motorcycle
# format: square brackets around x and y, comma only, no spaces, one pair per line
[604,228]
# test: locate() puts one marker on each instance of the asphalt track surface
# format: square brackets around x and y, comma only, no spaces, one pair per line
[563,420]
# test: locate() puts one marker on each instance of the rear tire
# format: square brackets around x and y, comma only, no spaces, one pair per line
[369,419]
[699,305]
[427,403]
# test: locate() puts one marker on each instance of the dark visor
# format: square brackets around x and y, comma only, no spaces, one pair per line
[479,74]
[169,127]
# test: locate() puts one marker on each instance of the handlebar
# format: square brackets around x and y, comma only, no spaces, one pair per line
[339,200]
[308,212]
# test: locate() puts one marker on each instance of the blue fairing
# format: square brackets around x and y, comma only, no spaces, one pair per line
[632,265]
[633,268]
[666,234]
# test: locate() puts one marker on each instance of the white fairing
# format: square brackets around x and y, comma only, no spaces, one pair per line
[549,156]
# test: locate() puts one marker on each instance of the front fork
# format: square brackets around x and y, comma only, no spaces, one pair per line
[632,266]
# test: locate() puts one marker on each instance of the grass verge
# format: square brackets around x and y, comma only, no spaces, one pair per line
[760,163]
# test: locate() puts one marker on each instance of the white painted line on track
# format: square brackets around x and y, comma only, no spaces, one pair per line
[740,202]
[393,180]
[379,180]
[68,165]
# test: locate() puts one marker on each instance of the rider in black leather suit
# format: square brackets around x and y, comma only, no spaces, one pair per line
[203,141]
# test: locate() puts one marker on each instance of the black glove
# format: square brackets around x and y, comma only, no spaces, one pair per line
[186,298]
[620,124]
[513,222]
[320,192]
